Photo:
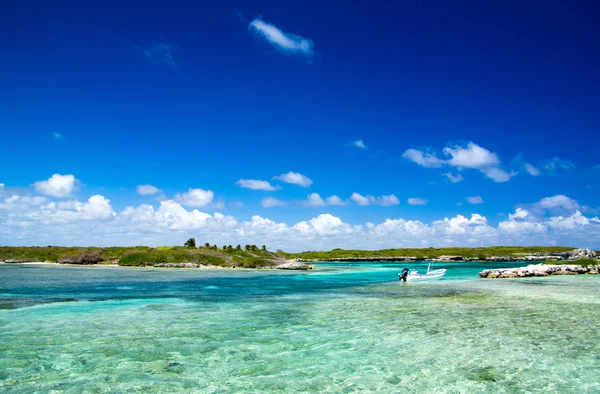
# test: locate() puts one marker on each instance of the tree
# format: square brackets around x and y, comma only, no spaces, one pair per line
[264,248]
[207,245]
[247,247]
[238,247]
[190,243]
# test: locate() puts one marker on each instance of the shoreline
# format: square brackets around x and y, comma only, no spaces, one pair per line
[298,267]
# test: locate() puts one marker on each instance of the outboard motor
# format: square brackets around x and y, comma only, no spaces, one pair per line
[403,275]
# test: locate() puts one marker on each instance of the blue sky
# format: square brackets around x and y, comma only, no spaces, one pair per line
[452,102]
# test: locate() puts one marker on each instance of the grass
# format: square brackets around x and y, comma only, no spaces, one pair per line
[581,262]
[140,256]
[431,252]
[144,255]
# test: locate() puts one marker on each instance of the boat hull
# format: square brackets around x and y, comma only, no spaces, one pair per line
[432,275]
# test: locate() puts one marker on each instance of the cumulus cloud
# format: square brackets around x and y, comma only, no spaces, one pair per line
[380,200]
[295,178]
[195,197]
[474,200]
[359,144]
[498,175]
[57,186]
[285,42]
[424,159]
[558,201]
[454,178]
[255,184]
[417,201]
[471,156]
[272,202]
[35,220]
[147,190]
[334,200]
[521,222]
[315,200]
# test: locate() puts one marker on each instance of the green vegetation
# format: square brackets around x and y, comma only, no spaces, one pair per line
[190,243]
[581,262]
[143,255]
[430,252]
[249,256]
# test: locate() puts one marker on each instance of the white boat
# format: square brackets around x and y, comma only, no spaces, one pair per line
[414,276]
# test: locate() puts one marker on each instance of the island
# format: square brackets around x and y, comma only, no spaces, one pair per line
[251,256]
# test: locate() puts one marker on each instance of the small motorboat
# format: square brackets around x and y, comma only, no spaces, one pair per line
[414,276]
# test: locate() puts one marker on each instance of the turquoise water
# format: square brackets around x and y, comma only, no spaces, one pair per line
[339,329]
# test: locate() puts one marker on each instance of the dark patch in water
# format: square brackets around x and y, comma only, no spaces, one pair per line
[485,374]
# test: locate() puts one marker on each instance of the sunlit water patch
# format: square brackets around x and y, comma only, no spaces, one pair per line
[337,329]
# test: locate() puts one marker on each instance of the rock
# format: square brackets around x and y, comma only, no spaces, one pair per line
[295,265]
[539,270]
[582,254]
[450,258]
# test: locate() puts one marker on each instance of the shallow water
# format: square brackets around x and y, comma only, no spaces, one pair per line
[342,328]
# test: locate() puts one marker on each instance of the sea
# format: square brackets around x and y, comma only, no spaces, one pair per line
[341,328]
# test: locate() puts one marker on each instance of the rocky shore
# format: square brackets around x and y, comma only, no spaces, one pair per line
[278,264]
[540,270]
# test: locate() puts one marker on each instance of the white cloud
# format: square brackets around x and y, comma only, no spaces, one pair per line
[569,222]
[327,224]
[334,200]
[522,222]
[57,186]
[417,201]
[359,144]
[427,160]
[195,197]
[295,178]
[474,200]
[40,210]
[272,202]
[387,200]
[255,184]
[473,156]
[531,170]
[359,199]
[34,220]
[147,190]
[314,200]
[285,42]
[160,53]
[557,163]
[454,178]
[57,136]
[498,175]
[380,200]
[520,213]
[558,201]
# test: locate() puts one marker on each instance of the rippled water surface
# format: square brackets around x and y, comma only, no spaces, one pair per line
[341,328]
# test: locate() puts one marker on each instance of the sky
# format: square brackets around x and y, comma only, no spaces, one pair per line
[302,126]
